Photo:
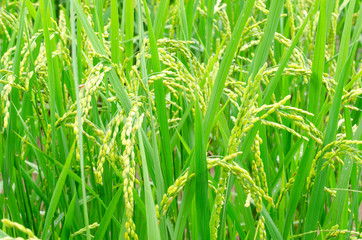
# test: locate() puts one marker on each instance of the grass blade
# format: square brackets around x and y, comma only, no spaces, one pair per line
[56,194]
[129,33]
[225,67]
[152,223]
[108,215]
[120,92]
[313,107]
[160,102]
[201,178]
[68,220]
[79,151]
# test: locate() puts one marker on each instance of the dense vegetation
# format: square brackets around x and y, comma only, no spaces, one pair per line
[182,119]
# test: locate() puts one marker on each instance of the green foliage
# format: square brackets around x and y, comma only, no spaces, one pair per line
[180,119]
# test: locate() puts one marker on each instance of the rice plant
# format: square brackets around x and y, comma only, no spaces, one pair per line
[182,119]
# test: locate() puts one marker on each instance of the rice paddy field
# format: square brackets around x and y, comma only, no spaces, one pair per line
[180,119]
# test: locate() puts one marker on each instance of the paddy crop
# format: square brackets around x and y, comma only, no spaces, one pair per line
[183,119]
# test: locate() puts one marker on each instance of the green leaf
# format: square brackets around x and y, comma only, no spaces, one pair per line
[56,194]
[69,219]
[98,47]
[201,177]
[224,68]
[153,232]
[108,215]
[160,99]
